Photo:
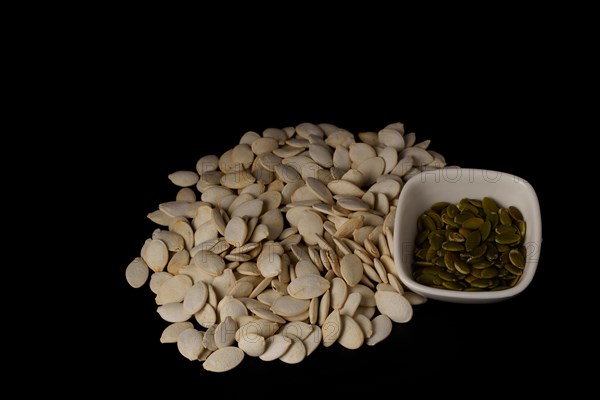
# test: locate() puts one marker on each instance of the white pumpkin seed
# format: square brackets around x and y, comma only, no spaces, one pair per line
[295,353]
[331,328]
[287,306]
[207,316]
[351,269]
[351,304]
[157,279]
[394,305]
[308,287]
[171,333]
[156,255]
[224,359]
[352,336]
[275,346]
[137,273]
[365,325]
[252,344]
[225,332]
[195,298]
[382,327]
[173,290]
[173,312]
[184,178]
[189,343]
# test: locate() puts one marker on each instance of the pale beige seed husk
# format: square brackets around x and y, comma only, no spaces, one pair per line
[240,289]
[392,138]
[415,299]
[173,290]
[339,293]
[352,336]
[184,178]
[308,286]
[367,295]
[195,298]
[351,304]
[271,200]
[236,231]
[207,163]
[351,269]
[355,177]
[341,158]
[295,353]
[313,311]
[264,145]
[352,203]
[231,307]
[160,217]
[173,312]
[390,156]
[250,324]
[224,359]
[209,262]
[306,267]
[365,324]
[394,305]
[385,287]
[251,208]
[186,194]
[225,332]
[287,306]
[242,154]
[368,312]
[238,179]
[223,283]
[360,152]
[207,316]
[275,346]
[157,279]
[331,328]
[371,169]
[321,154]
[370,273]
[404,165]
[345,188]
[156,255]
[268,297]
[171,333]
[252,344]
[382,327]
[174,241]
[320,190]
[215,194]
[189,343]
[137,273]
[205,232]
[395,282]
[209,338]
[298,329]
[369,138]
[324,305]
[269,264]
[313,340]
[420,156]
[390,188]
[273,220]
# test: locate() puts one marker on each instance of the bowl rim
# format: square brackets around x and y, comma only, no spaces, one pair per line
[445,294]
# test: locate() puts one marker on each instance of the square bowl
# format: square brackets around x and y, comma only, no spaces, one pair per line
[452,185]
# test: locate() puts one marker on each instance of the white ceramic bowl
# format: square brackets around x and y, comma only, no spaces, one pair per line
[451,185]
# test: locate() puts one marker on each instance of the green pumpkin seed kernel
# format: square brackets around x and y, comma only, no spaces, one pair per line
[474,245]
[515,213]
[489,205]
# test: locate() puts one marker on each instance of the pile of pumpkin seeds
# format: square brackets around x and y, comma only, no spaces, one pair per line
[473,245]
[283,243]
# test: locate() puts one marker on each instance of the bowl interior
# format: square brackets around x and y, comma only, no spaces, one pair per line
[451,185]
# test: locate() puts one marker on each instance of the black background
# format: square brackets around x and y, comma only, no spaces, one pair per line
[149,123]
